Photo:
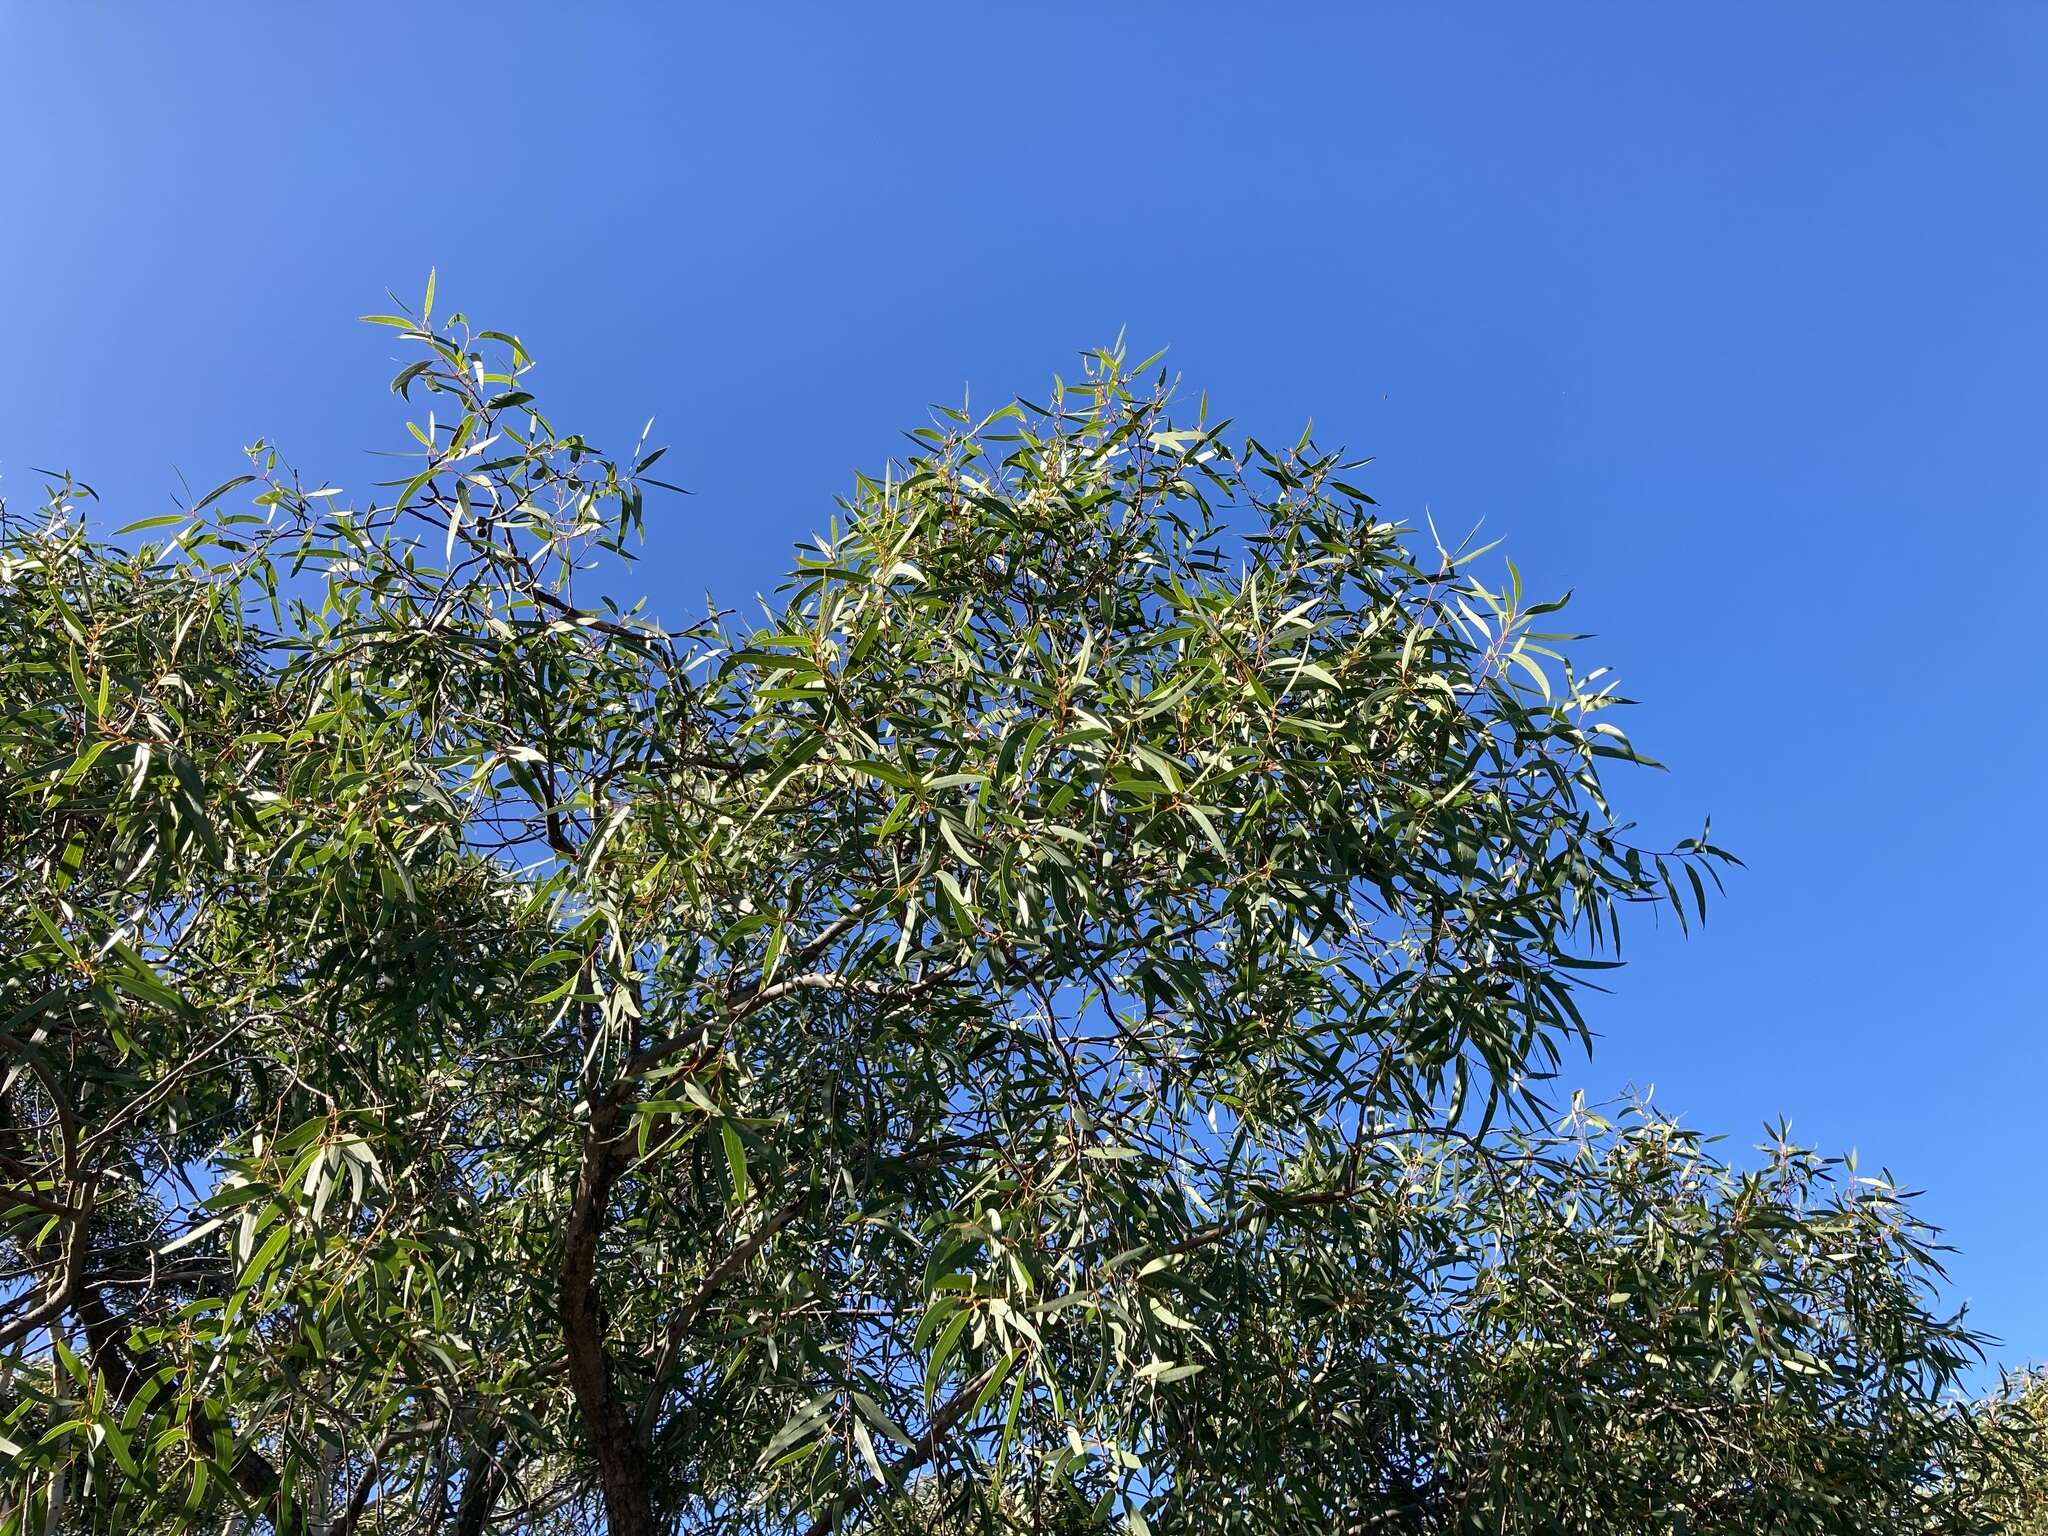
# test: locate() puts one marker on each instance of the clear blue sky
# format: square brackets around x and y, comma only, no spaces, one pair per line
[1733,318]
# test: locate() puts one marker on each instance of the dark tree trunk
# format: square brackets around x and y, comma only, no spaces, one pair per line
[614,1440]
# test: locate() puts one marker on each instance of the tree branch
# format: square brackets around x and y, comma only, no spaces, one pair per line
[693,1310]
[949,1414]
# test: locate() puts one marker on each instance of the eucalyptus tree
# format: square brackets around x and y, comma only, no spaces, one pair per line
[1064,1002]
[2001,1474]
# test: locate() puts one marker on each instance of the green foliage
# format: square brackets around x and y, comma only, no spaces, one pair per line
[1999,1473]
[1062,1002]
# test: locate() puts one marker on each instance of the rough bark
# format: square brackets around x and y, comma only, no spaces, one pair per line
[621,1463]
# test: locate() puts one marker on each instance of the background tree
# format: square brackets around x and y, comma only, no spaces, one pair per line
[1061,1004]
[2001,1474]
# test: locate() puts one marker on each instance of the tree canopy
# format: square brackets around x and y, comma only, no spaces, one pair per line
[1052,1025]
